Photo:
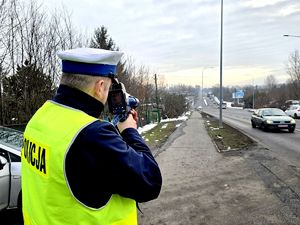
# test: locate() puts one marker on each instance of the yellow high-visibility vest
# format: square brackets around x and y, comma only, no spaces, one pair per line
[47,198]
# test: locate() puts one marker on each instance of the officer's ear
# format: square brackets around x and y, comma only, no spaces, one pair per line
[101,89]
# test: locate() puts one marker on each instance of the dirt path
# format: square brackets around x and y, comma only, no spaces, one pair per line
[201,186]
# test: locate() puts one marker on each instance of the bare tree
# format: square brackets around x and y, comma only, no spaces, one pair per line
[270,82]
[293,69]
[30,36]
[3,28]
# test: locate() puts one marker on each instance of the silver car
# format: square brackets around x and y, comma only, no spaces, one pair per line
[10,168]
[271,119]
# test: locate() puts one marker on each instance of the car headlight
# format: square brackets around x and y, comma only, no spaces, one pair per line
[293,121]
[269,121]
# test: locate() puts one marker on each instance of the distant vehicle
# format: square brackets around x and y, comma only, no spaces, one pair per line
[288,103]
[224,105]
[10,169]
[199,108]
[293,111]
[271,119]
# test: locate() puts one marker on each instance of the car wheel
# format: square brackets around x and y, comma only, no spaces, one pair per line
[295,116]
[264,127]
[253,124]
[291,130]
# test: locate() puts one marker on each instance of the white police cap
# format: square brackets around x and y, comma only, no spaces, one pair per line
[90,61]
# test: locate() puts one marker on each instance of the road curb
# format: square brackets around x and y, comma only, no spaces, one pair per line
[255,141]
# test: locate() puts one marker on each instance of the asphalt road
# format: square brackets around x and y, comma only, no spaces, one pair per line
[204,187]
[276,159]
[284,145]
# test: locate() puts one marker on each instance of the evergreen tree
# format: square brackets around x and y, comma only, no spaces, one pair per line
[24,93]
[102,40]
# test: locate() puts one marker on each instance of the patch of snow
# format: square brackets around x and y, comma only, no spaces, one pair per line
[152,125]
[183,118]
[188,113]
[164,126]
[178,125]
[146,128]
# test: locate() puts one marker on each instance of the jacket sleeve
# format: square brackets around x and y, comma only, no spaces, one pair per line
[124,164]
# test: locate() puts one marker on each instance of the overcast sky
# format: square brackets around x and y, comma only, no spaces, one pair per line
[178,39]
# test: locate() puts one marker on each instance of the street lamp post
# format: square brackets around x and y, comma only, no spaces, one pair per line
[221,68]
[288,35]
[202,90]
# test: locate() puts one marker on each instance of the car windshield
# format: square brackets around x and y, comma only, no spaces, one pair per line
[11,137]
[273,112]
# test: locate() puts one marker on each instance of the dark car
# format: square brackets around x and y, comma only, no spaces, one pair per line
[271,119]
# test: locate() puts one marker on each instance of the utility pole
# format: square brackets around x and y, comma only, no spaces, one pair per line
[202,92]
[221,68]
[253,97]
[235,101]
[156,97]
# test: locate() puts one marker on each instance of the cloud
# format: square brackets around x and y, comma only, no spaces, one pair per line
[232,76]
[178,37]
[161,21]
[203,11]
[260,3]
[289,10]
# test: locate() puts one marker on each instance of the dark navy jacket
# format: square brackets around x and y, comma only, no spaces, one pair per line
[100,162]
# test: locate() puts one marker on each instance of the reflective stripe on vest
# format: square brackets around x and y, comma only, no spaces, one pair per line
[47,198]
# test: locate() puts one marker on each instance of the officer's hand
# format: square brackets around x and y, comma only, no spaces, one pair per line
[130,122]
[134,115]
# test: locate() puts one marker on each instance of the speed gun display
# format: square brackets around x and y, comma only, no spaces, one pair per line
[120,102]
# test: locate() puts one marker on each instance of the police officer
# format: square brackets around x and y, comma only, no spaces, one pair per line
[77,169]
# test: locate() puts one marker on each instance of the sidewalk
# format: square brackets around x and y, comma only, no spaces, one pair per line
[202,186]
